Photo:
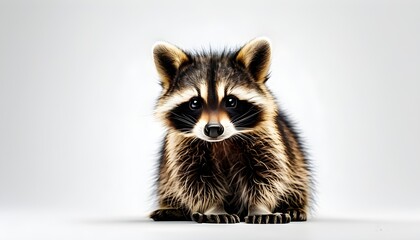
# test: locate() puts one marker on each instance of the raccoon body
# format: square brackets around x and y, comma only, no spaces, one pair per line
[229,153]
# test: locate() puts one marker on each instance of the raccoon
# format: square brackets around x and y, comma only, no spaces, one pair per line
[229,153]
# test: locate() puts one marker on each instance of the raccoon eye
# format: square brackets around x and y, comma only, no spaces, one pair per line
[231,102]
[195,103]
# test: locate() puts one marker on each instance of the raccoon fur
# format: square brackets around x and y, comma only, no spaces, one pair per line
[229,153]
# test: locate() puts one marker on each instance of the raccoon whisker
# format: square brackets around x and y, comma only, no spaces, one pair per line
[186,130]
[190,117]
[236,137]
[176,114]
[246,137]
[183,116]
[242,136]
[247,117]
[234,119]
[184,120]
[243,130]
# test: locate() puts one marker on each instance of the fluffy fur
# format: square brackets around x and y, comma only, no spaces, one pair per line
[229,153]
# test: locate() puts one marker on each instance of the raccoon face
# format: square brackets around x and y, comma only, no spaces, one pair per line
[214,96]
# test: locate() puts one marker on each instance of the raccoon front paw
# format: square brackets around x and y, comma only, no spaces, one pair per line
[298,216]
[215,218]
[171,214]
[273,218]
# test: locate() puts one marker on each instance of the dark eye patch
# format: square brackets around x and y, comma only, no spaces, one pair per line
[244,115]
[183,118]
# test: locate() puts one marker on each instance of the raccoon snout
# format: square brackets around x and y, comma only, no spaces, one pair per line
[213,130]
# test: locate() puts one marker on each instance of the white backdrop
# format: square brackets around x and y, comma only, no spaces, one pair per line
[78,85]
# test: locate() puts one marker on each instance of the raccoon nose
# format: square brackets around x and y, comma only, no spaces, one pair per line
[213,130]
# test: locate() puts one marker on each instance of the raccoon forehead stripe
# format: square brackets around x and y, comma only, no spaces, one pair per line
[221,89]
[203,91]
[249,95]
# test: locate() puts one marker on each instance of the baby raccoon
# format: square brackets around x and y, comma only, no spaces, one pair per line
[229,152]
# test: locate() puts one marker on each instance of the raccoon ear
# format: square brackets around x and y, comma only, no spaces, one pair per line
[168,58]
[255,56]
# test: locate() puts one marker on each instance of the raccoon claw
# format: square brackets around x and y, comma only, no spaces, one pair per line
[197,217]
[274,218]
[215,218]
[297,215]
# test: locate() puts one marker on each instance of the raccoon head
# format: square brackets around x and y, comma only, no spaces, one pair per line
[214,96]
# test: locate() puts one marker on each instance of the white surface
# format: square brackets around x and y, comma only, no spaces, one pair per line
[78,85]
[48,225]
